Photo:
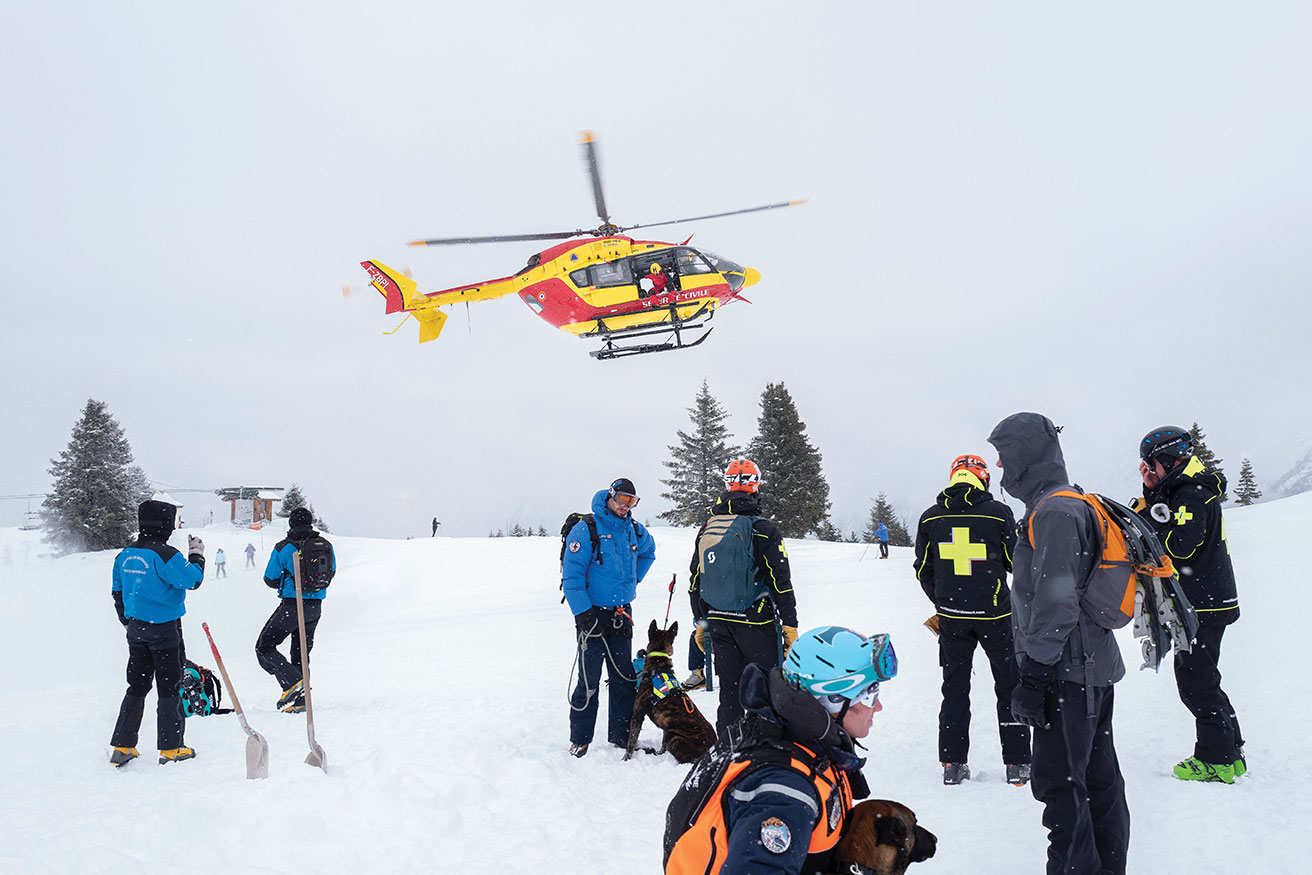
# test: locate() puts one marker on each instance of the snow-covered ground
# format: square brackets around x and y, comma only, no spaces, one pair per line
[441,670]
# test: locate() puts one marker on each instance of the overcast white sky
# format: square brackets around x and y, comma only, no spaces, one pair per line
[1100,213]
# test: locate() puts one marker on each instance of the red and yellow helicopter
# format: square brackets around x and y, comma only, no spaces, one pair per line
[607,286]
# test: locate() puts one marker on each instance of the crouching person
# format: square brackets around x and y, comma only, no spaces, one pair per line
[774,796]
[151,579]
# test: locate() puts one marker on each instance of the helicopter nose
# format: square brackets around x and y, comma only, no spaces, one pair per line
[751,276]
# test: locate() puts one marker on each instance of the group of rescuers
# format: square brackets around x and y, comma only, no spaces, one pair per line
[150,584]
[792,707]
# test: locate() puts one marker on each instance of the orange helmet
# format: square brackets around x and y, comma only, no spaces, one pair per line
[973,464]
[742,475]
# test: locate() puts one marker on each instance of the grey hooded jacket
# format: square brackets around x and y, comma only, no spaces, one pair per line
[1049,624]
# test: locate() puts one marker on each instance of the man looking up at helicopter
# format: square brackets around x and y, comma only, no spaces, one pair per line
[606,555]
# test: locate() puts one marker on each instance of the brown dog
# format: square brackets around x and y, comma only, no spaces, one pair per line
[687,734]
[882,838]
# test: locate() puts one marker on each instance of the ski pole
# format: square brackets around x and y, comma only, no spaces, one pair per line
[669,602]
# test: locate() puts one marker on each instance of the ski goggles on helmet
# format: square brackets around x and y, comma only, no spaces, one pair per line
[973,464]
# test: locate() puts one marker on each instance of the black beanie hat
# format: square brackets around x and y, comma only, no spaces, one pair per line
[301,518]
[157,517]
[623,486]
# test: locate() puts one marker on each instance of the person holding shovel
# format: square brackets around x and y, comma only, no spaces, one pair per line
[318,565]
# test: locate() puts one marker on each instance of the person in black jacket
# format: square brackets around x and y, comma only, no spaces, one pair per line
[1182,501]
[964,545]
[762,632]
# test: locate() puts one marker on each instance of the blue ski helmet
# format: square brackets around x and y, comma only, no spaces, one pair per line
[1168,443]
[834,663]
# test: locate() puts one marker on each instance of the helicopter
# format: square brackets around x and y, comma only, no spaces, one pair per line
[635,296]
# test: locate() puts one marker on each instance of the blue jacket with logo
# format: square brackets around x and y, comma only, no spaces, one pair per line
[280,573]
[153,579]
[627,551]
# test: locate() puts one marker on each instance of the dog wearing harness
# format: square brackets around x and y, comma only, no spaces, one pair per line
[685,732]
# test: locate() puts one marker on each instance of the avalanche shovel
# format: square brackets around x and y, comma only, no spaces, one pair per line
[257,749]
[316,757]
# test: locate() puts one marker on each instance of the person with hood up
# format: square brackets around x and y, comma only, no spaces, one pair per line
[600,579]
[1182,501]
[773,796]
[881,535]
[280,575]
[150,586]
[964,545]
[1068,663]
[741,587]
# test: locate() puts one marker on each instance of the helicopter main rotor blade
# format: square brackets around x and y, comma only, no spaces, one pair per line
[497,238]
[590,153]
[716,215]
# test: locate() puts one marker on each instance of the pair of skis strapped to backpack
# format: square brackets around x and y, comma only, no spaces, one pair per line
[1133,580]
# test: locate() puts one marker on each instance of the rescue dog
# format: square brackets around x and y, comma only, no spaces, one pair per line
[882,837]
[686,733]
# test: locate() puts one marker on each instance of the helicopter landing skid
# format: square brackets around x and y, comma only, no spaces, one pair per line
[674,331]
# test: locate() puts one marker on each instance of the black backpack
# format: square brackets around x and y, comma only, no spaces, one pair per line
[570,522]
[200,691]
[316,564]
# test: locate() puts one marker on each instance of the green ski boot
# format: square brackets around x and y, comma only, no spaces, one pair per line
[1194,769]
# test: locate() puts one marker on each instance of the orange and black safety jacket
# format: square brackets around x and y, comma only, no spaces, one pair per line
[703,847]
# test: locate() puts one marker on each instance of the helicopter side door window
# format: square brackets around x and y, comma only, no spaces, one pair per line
[612,273]
[689,262]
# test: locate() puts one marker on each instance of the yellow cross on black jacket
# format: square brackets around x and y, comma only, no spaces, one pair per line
[963,553]
[1194,537]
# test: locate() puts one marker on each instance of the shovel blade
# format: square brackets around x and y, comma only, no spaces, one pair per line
[317,758]
[257,756]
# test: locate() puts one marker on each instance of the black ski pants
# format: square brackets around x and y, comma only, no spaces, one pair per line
[956,654]
[883,549]
[1078,779]
[154,654]
[734,646]
[617,653]
[280,625]
[1198,678]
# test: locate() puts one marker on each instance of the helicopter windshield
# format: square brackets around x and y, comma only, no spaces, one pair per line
[734,273]
[689,262]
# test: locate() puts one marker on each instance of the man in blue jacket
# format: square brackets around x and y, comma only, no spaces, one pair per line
[150,586]
[280,574]
[600,580]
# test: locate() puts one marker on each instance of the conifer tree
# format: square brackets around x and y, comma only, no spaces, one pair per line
[295,498]
[92,504]
[1247,492]
[829,532]
[882,511]
[697,463]
[1204,454]
[793,488]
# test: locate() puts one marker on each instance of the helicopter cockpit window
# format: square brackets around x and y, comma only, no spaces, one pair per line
[579,278]
[722,264]
[688,261]
[614,273]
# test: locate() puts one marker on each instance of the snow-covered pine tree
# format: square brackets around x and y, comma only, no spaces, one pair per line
[829,532]
[93,501]
[793,487]
[1204,453]
[697,463]
[293,499]
[1247,492]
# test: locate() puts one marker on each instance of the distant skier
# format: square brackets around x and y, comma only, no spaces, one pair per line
[1069,665]
[1182,501]
[250,555]
[600,583]
[280,574]
[963,554]
[435,525]
[881,535]
[742,586]
[220,564]
[151,580]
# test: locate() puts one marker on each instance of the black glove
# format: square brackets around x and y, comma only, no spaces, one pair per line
[585,622]
[1029,701]
[118,606]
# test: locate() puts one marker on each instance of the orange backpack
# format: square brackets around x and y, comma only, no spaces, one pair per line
[1131,556]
